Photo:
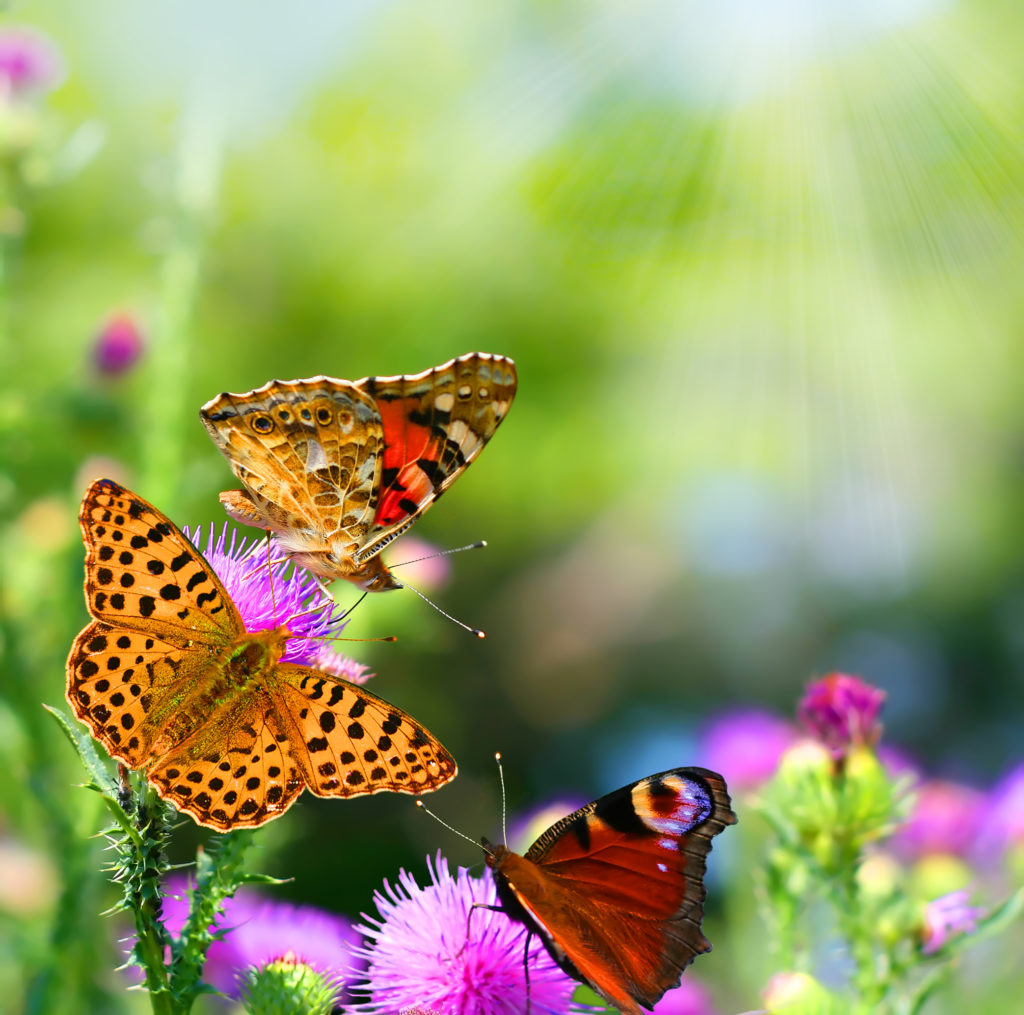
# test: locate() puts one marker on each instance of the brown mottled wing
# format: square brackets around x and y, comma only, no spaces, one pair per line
[435,423]
[236,770]
[349,742]
[308,454]
[143,574]
[632,866]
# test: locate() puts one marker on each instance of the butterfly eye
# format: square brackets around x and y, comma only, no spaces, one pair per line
[465,392]
[323,416]
[262,424]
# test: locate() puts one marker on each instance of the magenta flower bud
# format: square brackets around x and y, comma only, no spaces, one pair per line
[944,918]
[118,345]
[28,62]
[842,711]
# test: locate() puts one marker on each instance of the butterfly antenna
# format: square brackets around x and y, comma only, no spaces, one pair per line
[465,627]
[462,835]
[270,579]
[443,553]
[501,779]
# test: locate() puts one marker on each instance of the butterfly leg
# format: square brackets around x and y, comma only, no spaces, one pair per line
[526,967]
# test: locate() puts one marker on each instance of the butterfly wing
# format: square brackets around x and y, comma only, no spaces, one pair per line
[616,889]
[308,454]
[349,742]
[435,423]
[143,574]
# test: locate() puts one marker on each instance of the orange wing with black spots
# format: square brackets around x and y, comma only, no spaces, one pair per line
[616,890]
[167,678]
[338,469]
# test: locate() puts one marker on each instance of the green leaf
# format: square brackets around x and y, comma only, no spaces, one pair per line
[84,744]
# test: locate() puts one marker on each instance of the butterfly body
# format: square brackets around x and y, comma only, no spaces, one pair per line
[338,469]
[615,890]
[168,678]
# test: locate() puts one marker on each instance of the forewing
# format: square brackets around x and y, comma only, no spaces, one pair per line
[349,742]
[308,453]
[435,423]
[124,684]
[234,771]
[143,574]
[636,861]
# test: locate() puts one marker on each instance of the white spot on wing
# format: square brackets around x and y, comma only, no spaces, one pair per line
[444,402]
[316,457]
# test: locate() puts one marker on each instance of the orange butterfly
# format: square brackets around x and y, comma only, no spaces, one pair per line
[167,677]
[616,890]
[338,469]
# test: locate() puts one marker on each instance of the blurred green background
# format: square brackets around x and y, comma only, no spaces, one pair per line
[759,266]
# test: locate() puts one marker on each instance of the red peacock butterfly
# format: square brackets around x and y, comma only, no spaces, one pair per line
[616,890]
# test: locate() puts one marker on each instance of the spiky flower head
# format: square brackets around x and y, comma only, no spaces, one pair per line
[842,711]
[330,660]
[268,595]
[287,986]
[119,344]
[425,952]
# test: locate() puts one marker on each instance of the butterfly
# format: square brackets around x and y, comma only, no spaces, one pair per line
[616,889]
[168,678]
[338,469]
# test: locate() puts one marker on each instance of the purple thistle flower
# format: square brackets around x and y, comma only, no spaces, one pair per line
[745,745]
[257,930]
[420,957]
[945,819]
[330,660]
[944,918]
[119,344]
[266,598]
[29,62]
[842,711]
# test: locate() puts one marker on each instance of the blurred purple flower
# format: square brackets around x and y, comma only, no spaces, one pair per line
[1004,815]
[898,763]
[689,998]
[419,956]
[332,661]
[258,930]
[118,345]
[841,711]
[296,600]
[525,829]
[945,917]
[28,62]
[945,819]
[745,745]
[426,570]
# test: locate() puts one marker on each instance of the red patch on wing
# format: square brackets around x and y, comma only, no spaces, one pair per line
[406,485]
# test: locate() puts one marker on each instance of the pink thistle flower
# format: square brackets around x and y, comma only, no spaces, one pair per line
[29,62]
[745,745]
[257,931]
[842,711]
[330,660]
[419,955]
[267,598]
[119,344]
[944,918]
[945,819]
[1004,815]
